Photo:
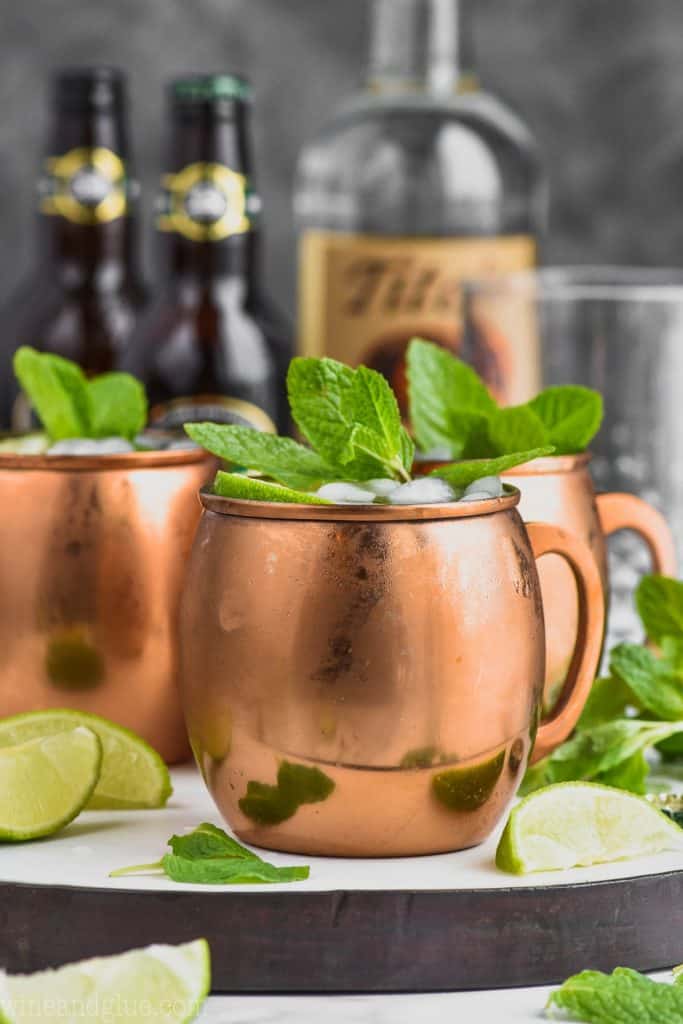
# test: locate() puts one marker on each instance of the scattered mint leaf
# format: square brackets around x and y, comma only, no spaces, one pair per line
[350,417]
[656,688]
[591,754]
[235,485]
[659,600]
[208,840]
[58,391]
[281,458]
[449,403]
[609,698]
[572,416]
[462,474]
[209,856]
[297,784]
[629,774]
[224,871]
[622,997]
[516,429]
[118,405]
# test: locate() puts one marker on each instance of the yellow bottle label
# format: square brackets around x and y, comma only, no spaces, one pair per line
[204,202]
[86,186]
[363,297]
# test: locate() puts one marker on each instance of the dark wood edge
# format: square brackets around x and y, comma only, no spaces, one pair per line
[360,940]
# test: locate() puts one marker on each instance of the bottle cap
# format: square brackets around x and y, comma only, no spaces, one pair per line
[219,92]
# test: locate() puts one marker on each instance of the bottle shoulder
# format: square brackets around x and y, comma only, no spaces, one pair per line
[411,164]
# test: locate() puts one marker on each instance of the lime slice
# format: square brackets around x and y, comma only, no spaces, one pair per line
[160,983]
[27,444]
[46,782]
[573,824]
[133,775]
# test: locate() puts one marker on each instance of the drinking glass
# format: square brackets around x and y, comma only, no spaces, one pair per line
[618,330]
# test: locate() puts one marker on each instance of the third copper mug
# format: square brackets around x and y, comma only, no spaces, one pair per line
[367,680]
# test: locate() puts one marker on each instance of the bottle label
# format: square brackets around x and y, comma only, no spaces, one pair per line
[204,202]
[214,408]
[86,186]
[363,297]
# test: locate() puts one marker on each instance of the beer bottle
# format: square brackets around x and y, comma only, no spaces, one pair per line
[210,346]
[86,293]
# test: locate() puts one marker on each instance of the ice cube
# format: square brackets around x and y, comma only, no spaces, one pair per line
[382,487]
[342,493]
[90,446]
[490,485]
[428,490]
[476,496]
[182,444]
[442,453]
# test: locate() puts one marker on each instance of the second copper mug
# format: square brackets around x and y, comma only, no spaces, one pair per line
[559,489]
[366,680]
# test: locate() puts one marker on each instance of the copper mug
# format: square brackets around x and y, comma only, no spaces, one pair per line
[559,489]
[366,680]
[92,556]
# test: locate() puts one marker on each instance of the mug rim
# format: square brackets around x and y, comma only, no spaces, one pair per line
[249,509]
[154,459]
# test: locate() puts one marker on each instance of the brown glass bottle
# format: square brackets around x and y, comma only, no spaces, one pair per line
[210,346]
[85,295]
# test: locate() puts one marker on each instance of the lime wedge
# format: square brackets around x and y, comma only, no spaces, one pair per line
[27,444]
[133,775]
[574,824]
[46,782]
[167,984]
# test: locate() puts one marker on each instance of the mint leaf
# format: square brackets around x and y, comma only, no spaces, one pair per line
[281,458]
[609,698]
[302,784]
[656,688]
[592,753]
[297,784]
[622,997]
[118,405]
[209,856]
[224,871]
[462,474]
[572,416]
[235,485]
[629,774]
[208,840]
[516,429]
[350,417]
[659,600]
[57,390]
[448,400]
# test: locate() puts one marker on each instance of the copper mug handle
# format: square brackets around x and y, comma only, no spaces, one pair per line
[546,539]
[618,511]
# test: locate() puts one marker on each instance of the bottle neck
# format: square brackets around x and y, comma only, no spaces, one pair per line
[207,210]
[87,200]
[421,46]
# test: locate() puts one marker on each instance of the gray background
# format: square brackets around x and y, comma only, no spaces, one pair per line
[599,81]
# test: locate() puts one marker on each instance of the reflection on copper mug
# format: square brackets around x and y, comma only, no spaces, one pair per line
[366,680]
[559,489]
[92,556]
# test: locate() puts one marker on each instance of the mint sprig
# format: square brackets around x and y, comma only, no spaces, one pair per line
[622,997]
[209,856]
[69,405]
[450,406]
[351,417]
[462,474]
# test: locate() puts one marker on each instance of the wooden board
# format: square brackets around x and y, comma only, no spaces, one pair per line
[412,924]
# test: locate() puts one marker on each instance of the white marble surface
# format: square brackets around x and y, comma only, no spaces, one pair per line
[100,842]
[507,1006]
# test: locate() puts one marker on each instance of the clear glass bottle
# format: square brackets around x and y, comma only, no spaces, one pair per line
[418,183]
